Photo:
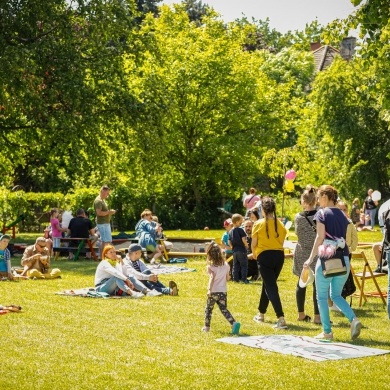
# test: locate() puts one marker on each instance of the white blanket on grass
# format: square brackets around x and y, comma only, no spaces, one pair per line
[306,347]
[159,269]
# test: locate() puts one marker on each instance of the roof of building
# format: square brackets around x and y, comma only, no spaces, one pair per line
[324,56]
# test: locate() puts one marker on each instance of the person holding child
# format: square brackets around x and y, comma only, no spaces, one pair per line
[239,244]
[148,232]
[218,271]
[109,277]
[132,265]
[36,261]
[267,245]
[5,258]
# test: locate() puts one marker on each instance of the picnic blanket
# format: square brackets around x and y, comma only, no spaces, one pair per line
[159,269]
[306,347]
[88,292]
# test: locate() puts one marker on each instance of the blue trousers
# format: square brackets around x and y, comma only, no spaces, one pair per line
[336,284]
[158,286]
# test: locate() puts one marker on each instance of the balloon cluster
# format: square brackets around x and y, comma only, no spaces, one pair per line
[289,183]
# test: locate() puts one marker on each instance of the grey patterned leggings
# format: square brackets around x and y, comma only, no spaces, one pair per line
[221,299]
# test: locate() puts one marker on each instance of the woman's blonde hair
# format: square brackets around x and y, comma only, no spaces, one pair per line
[145,213]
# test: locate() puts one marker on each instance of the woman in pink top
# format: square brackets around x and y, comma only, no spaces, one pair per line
[250,200]
[218,270]
[56,230]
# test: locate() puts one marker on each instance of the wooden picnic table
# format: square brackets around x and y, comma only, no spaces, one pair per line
[82,242]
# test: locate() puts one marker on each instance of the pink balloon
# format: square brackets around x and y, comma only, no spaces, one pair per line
[290,175]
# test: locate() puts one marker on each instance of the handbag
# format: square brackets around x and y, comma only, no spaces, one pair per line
[334,265]
[349,286]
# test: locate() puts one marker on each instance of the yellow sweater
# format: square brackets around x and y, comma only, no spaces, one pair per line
[273,242]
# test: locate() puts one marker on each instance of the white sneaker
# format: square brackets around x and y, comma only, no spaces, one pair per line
[356,326]
[153,293]
[280,325]
[334,308]
[136,294]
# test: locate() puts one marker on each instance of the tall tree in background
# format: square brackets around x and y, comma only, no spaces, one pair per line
[208,108]
[61,88]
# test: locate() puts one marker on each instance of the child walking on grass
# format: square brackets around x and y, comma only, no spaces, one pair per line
[218,270]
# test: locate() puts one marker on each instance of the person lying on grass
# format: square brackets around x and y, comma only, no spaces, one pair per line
[36,261]
[134,267]
[109,277]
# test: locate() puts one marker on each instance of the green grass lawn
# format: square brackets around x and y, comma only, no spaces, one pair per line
[62,342]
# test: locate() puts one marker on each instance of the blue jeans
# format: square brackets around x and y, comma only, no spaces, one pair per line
[240,266]
[111,285]
[336,284]
[372,214]
[158,286]
[137,284]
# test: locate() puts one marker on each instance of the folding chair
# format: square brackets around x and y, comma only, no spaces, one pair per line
[366,274]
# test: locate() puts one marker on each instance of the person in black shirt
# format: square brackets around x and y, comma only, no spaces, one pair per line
[80,227]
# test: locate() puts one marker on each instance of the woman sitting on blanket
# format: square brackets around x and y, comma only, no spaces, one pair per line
[109,277]
[133,266]
[148,232]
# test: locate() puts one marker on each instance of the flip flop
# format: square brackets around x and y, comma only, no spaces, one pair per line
[13,308]
[305,319]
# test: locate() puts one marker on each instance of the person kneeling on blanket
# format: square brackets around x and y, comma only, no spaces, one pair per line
[133,266]
[109,277]
[36,261]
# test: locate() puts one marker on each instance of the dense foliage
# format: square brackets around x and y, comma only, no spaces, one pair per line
[181,112]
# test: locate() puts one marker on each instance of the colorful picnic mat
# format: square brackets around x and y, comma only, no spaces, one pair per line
[306,347]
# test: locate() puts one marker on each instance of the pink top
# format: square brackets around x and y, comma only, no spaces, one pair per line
[218,278]
[250,201]
[55,233]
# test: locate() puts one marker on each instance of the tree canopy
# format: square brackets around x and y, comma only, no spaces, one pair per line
[175,108]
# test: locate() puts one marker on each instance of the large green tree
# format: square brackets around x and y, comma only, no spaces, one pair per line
[61,95]
[343,139]
[209,110]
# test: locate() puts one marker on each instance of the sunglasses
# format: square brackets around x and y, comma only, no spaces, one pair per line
[42,246]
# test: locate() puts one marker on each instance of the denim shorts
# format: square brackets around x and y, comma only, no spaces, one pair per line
[105,232]
[56,242]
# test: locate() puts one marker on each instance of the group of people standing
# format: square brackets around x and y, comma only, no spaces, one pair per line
[320,220]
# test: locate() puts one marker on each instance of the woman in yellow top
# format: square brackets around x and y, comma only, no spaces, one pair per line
[267,245]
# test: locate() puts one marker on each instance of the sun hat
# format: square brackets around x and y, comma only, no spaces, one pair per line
[306,278]
[134,248]
[227,222]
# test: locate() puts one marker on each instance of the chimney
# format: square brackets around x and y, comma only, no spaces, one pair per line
[315,45]
[347,48]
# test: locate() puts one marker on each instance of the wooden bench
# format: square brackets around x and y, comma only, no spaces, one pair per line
[79,249]
[186,254]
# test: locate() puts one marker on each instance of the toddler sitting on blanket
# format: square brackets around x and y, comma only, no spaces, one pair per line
[133,266]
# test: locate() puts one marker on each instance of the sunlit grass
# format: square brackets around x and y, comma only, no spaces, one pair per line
[155,343]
